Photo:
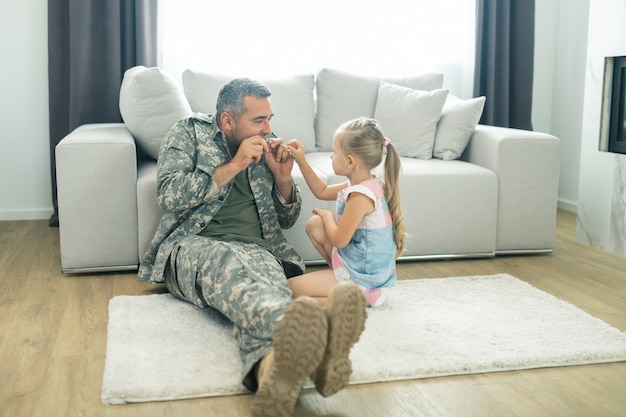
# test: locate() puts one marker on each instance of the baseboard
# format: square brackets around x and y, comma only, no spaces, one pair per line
[567,205]
[38,214]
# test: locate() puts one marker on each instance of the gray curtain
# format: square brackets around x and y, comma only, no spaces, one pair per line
[90,45]
[505,42]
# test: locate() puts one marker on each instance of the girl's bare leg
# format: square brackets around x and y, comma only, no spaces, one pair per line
[316,232]
[316,284]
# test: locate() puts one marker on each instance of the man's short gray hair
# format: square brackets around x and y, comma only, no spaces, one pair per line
[230,98]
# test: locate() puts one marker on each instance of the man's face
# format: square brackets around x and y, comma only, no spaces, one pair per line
[254,121]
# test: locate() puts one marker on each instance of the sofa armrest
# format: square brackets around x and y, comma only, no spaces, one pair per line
[527,164]
[96,167]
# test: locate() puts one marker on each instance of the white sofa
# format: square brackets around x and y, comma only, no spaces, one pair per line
[467,190]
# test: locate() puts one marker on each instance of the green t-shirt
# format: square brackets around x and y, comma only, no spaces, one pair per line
[238,219]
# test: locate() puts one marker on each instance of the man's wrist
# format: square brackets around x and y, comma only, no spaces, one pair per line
[286,189]
[284,181]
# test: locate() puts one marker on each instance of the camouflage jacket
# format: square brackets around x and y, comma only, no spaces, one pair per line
[192,150]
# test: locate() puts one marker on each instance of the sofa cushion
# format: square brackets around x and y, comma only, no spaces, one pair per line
[450,207]
[292,100]
[409,118]
[456,126]
[342,96]
[148,210]
[150,103]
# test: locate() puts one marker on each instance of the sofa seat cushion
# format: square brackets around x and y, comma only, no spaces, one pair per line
[148,210]
[451,208]
[296,235]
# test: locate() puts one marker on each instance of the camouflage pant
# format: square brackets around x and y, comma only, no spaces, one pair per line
[242,281]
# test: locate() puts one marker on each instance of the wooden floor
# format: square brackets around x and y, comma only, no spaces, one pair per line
[53,340]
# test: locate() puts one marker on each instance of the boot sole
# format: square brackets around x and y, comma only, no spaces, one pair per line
[299,346]
[346,313]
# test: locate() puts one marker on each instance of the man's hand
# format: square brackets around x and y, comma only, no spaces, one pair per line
[279,160]
[250,151]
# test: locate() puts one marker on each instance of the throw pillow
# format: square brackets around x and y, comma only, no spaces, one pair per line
[409,118]
[150,103]
[456,126]
[293,101]
[342,96]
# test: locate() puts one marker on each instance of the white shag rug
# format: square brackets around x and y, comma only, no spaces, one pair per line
[160,348]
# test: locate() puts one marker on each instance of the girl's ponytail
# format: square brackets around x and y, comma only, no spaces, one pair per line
[392,194]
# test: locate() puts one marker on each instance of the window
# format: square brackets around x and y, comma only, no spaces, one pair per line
[271,37]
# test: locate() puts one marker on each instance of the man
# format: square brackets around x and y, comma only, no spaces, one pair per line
[226,192]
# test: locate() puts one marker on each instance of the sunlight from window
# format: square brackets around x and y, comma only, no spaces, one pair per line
[273,37]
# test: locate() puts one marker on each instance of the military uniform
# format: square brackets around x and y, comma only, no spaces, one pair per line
[243,280]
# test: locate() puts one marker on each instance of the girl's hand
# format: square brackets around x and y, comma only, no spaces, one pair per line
[297,150]
[325,214]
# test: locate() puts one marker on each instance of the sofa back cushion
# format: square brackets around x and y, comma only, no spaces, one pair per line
[342,96]
[293,101]
[456,126]
[150,103]
[409,118]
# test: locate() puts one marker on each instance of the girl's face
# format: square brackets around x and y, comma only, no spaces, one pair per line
[340,162]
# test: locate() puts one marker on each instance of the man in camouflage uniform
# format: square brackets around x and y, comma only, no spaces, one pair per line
[226,192]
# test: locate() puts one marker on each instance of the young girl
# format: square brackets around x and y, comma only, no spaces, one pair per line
[362,241]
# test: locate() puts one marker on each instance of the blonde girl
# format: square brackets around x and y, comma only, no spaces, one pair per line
[362,240]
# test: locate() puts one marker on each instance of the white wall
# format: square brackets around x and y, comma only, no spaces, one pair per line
[559,84]
[24,150]
[560,40]
[601,196]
